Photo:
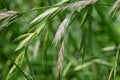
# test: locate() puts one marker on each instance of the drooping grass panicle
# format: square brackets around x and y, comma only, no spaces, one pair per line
[60,58]
[81,9]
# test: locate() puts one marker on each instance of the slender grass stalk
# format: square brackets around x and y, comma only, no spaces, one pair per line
[44,53]
[29,65]
[111,73]
[114,69]
[116,63]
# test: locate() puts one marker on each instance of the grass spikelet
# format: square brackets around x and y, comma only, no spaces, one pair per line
[60,58]
[45,14]
[61,30]
[80,3]
[25,41]
[7,14]
[31,36]
[48,12]
[18,61]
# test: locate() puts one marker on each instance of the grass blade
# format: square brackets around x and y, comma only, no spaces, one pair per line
[113,10]
[116,63]
[29,65]
[44,54]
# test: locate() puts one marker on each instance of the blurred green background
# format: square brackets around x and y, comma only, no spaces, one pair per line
[91,40]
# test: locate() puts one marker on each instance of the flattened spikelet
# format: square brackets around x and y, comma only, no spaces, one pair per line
[7,14]
[48,12]
[80,3]
[60,57]
[45,14]
[61,30]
